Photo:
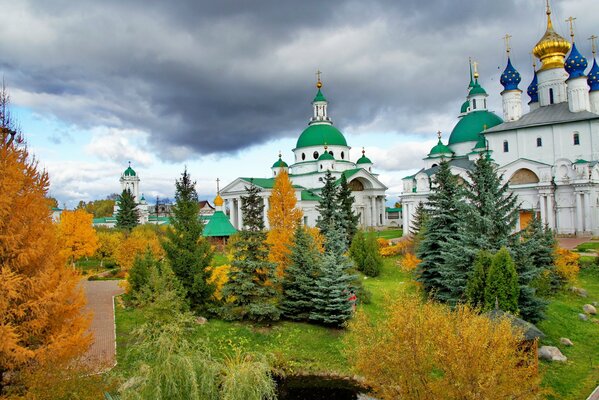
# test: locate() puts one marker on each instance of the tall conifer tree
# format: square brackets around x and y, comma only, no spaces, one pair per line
[128,216]
[188,252]
[349,219]
[502,289]
[251,289]
[327,205]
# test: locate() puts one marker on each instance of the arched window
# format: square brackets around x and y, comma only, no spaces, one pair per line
[320,166]
[539,142]
[576,138]
[506,146]
[343,155]
[551,100]
[331,153]
[315,155]
[303,156]
[485,103]
[474,104]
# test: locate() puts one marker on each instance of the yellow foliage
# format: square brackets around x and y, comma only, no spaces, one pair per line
[77,234]
[219,276]
[383,242]
[41,299]
[109,242]
[283,218]
[317,236]
[141,238]
[566,264]
[429,351]
[409,262]
[395,249]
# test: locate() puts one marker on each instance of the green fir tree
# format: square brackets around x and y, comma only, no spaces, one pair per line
[345,201]
[502,289]
[365,252]
[127,216]
[475,289]
[251,287]
[327,205]
[334,285]
[187,251]
[300,276]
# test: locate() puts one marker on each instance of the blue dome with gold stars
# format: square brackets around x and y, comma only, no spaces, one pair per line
[510,77]
[593,77]
[533,89]
[575,63]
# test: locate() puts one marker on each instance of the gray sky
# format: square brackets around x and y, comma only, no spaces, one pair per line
[199,79]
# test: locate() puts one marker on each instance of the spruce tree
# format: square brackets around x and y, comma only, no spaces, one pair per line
[443,277]
[365,252]
[492,209]
[502,289]
[327,205]
[187,251]
[357,250]
[477,282]
[301,275]
[334,284]
[127,216]
[420,215]
[345,201]
[251,288]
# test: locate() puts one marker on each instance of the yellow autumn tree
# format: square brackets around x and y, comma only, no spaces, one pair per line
[141,238]
[283,218]
[41,301]
[77,234]
[109,241]
[429,351]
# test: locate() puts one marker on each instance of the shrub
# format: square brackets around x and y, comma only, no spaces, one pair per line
[218,277]
[566,266]
[409,262]
[396,249]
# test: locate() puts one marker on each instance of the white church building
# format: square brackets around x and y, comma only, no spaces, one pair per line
[321,147]
[549,155]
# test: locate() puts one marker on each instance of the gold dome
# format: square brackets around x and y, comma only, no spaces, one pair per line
[552,48]
[218,201]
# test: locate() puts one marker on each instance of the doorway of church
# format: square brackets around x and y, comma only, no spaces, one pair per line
[525,218]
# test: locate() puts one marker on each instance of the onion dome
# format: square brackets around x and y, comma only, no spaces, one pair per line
[471,124]
[363,159]
[552,48]
[318,135]
[576,63]
[440,150]
[510,77]
[326,156]
[280,163]
[129,171]
[593,77]
[533,89]
[218,201]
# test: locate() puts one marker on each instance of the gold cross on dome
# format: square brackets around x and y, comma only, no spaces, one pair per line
[571,22]
[475,65]
[439,134]
[507,38]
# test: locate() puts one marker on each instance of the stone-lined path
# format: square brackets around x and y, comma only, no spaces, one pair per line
[100,303]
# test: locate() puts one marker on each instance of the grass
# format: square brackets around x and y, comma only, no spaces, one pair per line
[301,347]
[576,378]
[389,233]
[588,246]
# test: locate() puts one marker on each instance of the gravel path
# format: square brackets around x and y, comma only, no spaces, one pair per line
[100,303]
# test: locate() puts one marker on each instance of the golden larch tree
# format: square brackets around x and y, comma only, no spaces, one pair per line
[77,234]
[283,217]
[429,351]
[41,301]
[141,239]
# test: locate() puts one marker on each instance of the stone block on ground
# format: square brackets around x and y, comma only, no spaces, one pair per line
[583,316]
[579,291]
[551,353]
[589,309]
[566,342]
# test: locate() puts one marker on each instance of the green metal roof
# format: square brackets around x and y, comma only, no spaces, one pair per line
[393,209]
[319,96]
[129,172]
[280,164]
[326,156]
[363,160]
[219,225]
[308,195]
[476,89]
[465,106]
[320,135]
[440,149]
[581,161]
[266,183]
[471,124]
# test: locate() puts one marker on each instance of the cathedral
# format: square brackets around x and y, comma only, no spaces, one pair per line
[321,147]
[549,155]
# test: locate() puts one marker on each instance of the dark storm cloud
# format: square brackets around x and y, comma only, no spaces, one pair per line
[218,76]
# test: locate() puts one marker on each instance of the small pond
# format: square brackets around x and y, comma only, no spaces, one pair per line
[318,388]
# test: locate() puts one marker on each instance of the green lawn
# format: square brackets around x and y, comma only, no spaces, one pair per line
[576,378]
[389,233]
[300,347]
[588,246]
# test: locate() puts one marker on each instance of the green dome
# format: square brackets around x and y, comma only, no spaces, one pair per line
[320,135]
[439,149]
[471,124]
[364,160]
[280,164]
[326,156]
[319,96]
[465,106]
[477,89]
[129,172]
